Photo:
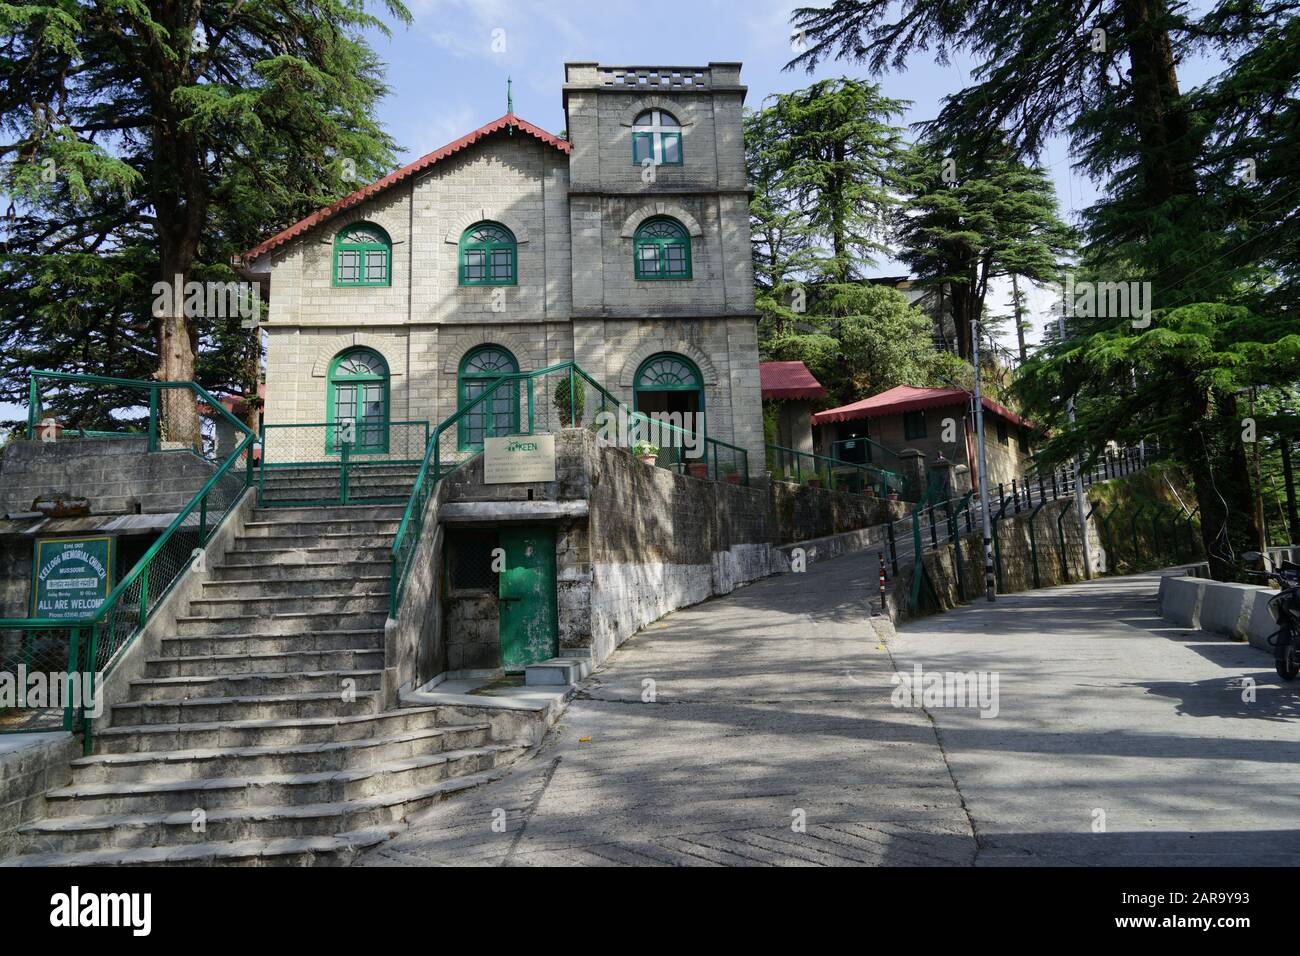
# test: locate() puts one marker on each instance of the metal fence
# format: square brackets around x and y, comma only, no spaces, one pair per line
[560,396]
[91,647]
[806,468]
[347,462]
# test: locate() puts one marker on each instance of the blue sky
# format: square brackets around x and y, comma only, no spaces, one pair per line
[448,76]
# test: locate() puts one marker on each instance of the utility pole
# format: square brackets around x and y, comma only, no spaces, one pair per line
[1079,498]
[989,584]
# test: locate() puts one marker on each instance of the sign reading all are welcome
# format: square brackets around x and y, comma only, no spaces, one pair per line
[71,577]
[518,458]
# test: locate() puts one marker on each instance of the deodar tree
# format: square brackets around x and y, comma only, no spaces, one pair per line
[150,140]
[1200,200]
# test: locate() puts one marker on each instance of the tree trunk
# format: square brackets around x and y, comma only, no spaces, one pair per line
[1020,326]
[1216,459]
[1288,482]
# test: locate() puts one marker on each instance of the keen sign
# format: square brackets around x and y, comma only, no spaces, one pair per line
[519,458]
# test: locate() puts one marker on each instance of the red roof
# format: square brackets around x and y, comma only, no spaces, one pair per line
[909,398]
[788,380]
[406,172]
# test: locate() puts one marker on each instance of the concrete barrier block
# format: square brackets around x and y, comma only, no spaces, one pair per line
[1180,600]
[1261,626]
[1226,607]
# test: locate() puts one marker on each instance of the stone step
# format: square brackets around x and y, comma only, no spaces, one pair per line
[360,494]
[275,544]
[274,790]
[289,514]
[264,560]
[228,762]
[334,603]
[306,584]
[339,850]
[284,623]
[141,738]
[254,685]
[284,662]
[270,529]
[328,565]
[169,839]
[226,645]
[262,707]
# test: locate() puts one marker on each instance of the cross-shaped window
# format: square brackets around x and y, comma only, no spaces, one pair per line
[657,139]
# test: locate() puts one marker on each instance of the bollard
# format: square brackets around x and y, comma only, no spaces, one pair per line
[883,581]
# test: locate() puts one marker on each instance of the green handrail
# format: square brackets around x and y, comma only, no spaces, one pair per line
[887,480]
[432,468]
[140,572]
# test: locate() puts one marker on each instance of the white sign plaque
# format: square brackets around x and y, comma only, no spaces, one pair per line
[517,458]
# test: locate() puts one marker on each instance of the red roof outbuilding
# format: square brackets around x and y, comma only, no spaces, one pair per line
[909,398]
[788,380]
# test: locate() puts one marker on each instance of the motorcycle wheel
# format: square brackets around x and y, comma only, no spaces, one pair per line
[1284,656]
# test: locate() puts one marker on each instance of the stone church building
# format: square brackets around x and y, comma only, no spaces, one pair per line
[623,245]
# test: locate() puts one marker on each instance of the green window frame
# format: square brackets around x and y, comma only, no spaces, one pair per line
[358,391]
[661,250]
[913,425]
[363,256]
[498,415]
[489,255]
[669,372]
[656,137]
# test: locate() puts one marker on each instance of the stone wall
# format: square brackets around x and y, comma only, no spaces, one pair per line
[1017,562]
[118,475]
[30,766]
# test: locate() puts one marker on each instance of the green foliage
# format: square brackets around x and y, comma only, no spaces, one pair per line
[148,140]
[568,417]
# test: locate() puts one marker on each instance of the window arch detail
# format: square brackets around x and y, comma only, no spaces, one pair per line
[497,415]
[363,256]
[357,403]
[488,255]
[661,249]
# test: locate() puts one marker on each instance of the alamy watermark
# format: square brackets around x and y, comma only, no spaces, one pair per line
[207,300]
[52,690]
[973,689]
[684,430]
[1108,300]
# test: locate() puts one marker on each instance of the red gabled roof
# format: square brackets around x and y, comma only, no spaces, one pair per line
[788,380]
[909,398]
[406,172]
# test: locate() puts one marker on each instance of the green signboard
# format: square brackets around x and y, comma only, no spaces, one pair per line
[71,577]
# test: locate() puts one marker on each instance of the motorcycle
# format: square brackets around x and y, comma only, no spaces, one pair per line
[1284,608]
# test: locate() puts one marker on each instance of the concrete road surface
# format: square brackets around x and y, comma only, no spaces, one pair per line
[768,728]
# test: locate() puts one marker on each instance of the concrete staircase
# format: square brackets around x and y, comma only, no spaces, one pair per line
[257,736]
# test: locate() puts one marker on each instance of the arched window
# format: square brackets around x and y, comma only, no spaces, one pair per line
[657,138]
[488,254]
[362,256]
[670,384]
[357,402]
[662,248]
[496,415]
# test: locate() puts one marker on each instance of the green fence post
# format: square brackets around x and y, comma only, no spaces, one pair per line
[144,594]
[343,471]
[203,520]
[1060,536]
[573,407]
[88,721]
[1137,551]
[997,541]
[1033,537]
[153,418]
[33,407]
[74,661]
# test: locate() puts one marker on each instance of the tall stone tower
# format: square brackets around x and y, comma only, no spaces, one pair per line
[661,257]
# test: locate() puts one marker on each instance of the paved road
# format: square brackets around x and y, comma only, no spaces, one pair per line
[772,700]
[777,699]
[1105,707]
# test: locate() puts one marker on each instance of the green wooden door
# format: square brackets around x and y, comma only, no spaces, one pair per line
[527,597]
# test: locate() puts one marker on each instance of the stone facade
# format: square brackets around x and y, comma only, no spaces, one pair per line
[573,207]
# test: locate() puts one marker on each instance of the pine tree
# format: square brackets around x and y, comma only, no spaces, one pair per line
[1218,247]
[150,141]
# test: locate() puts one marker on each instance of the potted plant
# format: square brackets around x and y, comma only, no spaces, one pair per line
[814,482]
[730,474]
[646,452]
[570,417]
[698,469]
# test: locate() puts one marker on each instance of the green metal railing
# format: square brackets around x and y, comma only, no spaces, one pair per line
[559,396]
[321,463]
[92,646]
[802,467]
